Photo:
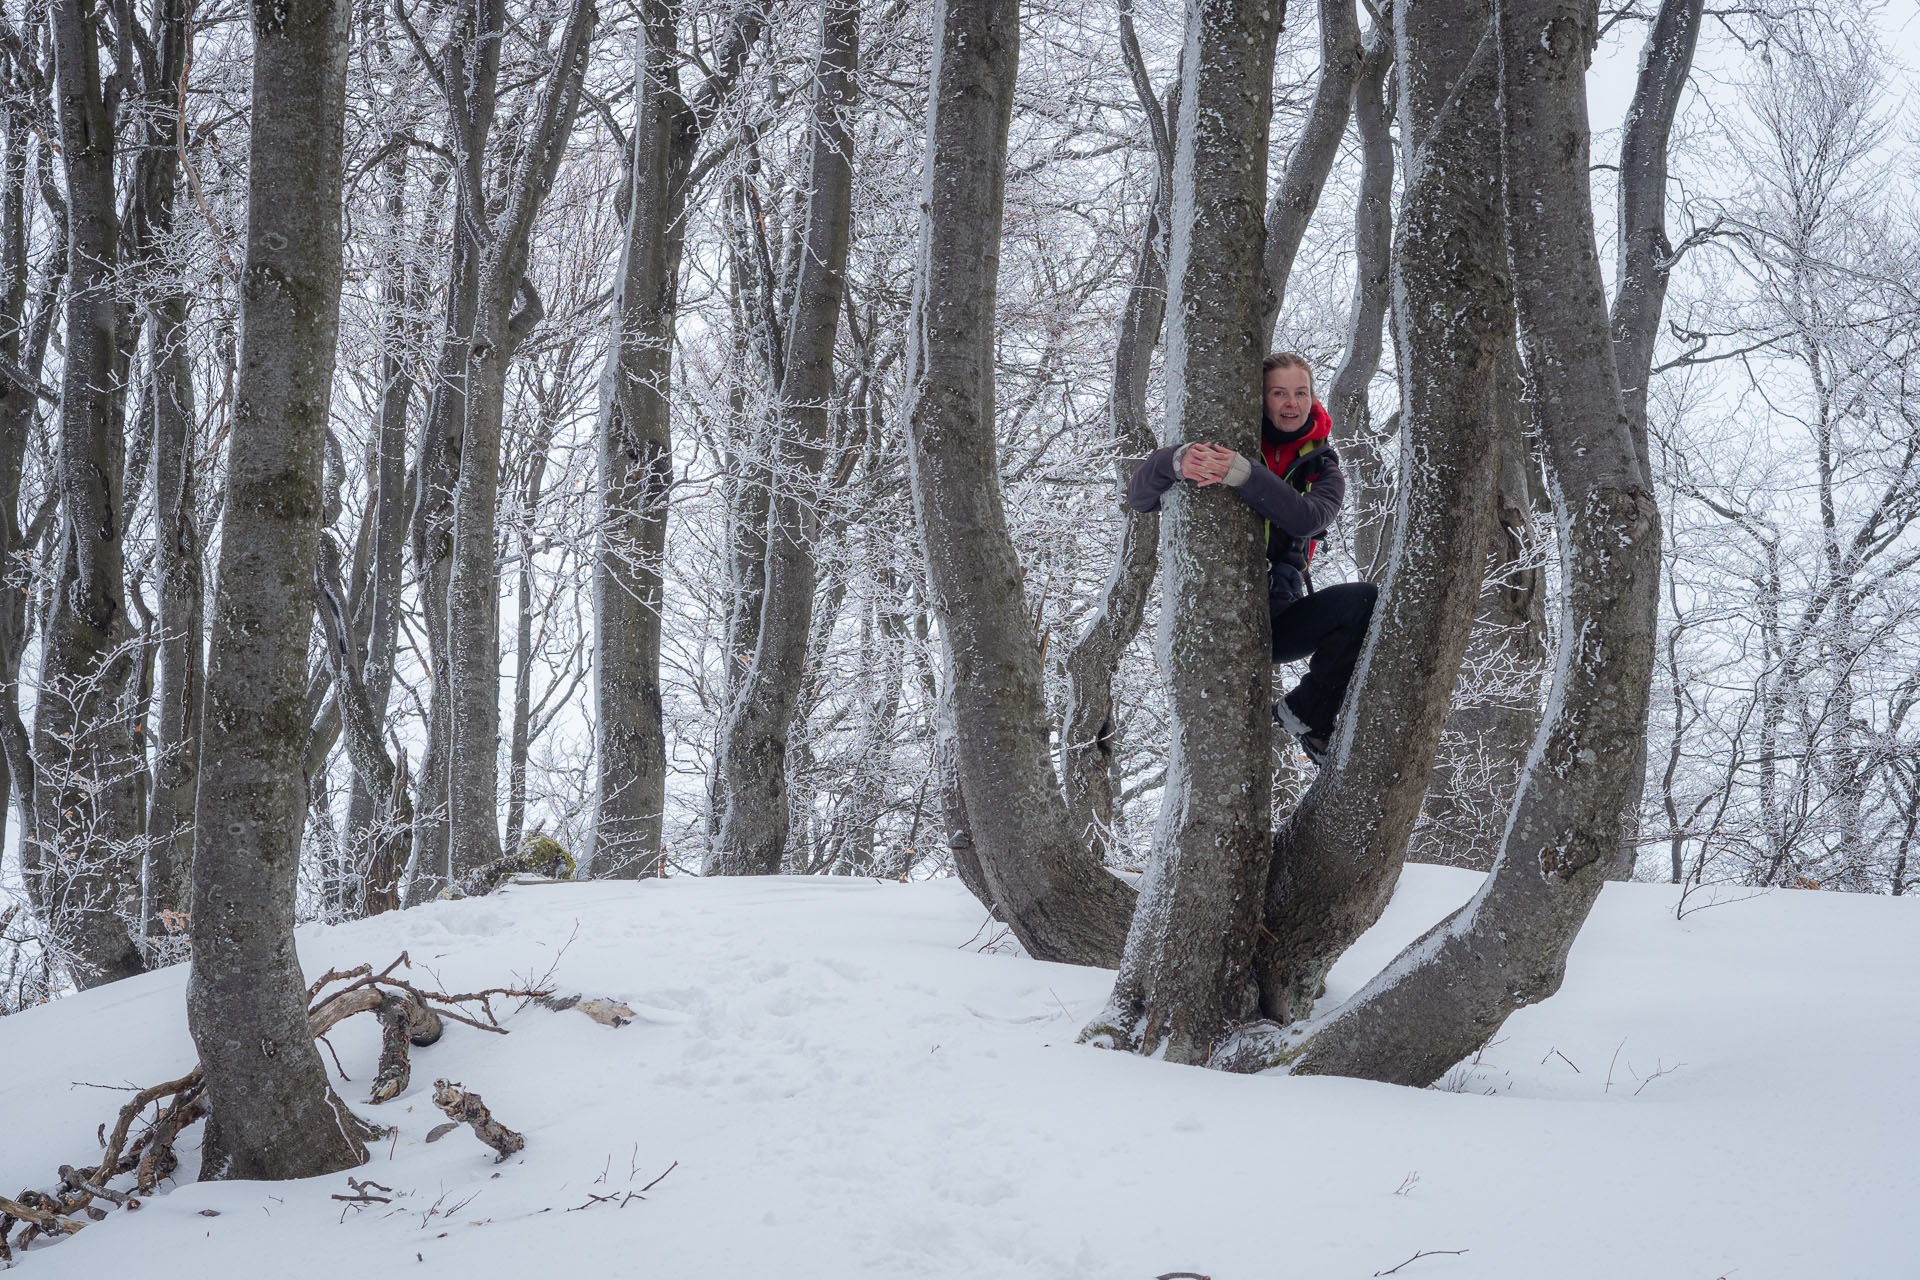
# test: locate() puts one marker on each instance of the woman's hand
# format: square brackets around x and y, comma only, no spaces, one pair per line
[1206,464]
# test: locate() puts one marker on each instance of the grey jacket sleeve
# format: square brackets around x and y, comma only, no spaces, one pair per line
[1152,478]
[1299,515]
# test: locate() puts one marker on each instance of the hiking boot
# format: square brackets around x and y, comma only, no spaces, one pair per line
[1316,746]
[1285,716]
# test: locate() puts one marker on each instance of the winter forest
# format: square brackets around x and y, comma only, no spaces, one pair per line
[449,444]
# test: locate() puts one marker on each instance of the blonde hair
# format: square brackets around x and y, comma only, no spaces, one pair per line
[1287,360]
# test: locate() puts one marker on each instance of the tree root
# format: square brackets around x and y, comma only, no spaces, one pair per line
[409,1016]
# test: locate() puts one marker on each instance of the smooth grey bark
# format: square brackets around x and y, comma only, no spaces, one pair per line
[1449,992]
[521,738]
[88,795]
[1645,254]
[752,839]
[636,439]
[1346,398]
[1061,903]
[1338,855]
[180,624]
[272,1113]
[1185,977]
[506,310]
[1313,155]
[467,72]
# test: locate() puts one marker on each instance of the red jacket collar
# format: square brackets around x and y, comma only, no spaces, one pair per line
[1281,452]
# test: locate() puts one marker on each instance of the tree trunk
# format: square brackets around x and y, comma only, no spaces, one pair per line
[1184,979]
[1313,155]
[636,442]
[1338,855]
[182,638]
[752,839]
[1060,901]
[1347,399]
[507,310]
[1449,992]
[399,289]
[272,1113]
[1646,255]
[88,795]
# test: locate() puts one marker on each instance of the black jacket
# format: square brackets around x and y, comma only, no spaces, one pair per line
[1297,506]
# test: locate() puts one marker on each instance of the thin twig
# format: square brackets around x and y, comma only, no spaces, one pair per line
[1424,1253]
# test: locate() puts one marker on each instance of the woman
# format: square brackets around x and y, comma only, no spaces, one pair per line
[1297,488]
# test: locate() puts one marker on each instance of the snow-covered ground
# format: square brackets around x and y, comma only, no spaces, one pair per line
[851,1087]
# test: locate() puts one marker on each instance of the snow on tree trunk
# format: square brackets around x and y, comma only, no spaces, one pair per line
[272,1112]
[1184,979]
[752,839]
[1060,901]
[1448,993]
[1337,857]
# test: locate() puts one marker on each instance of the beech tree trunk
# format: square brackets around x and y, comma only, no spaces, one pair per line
[752,839]
[399,290]
[1450,991]
[636,441]
[177,573]
[1313,155]
[272,1113]
[1185,976]
[506,310]
[1060,901]
[1346,398]
[1645,254]
[1338,856]
[89,792]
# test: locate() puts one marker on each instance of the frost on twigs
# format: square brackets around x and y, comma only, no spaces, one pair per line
[467,1108]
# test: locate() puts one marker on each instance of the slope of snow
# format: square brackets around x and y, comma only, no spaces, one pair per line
[851,1087]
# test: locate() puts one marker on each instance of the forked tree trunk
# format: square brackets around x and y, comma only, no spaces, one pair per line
[752,839]
[507,309]
[1448,993]
[1061,902]
[1185,976]
[1338,856]
[272,1113]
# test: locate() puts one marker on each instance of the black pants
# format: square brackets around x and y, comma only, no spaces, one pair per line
[1328,627]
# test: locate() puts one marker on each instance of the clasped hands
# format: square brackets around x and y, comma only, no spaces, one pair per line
[1206,464]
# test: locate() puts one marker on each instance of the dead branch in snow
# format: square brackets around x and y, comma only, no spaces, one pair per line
[462,1106]
[409,1016]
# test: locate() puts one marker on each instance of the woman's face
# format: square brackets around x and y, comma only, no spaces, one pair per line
[1289,398]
